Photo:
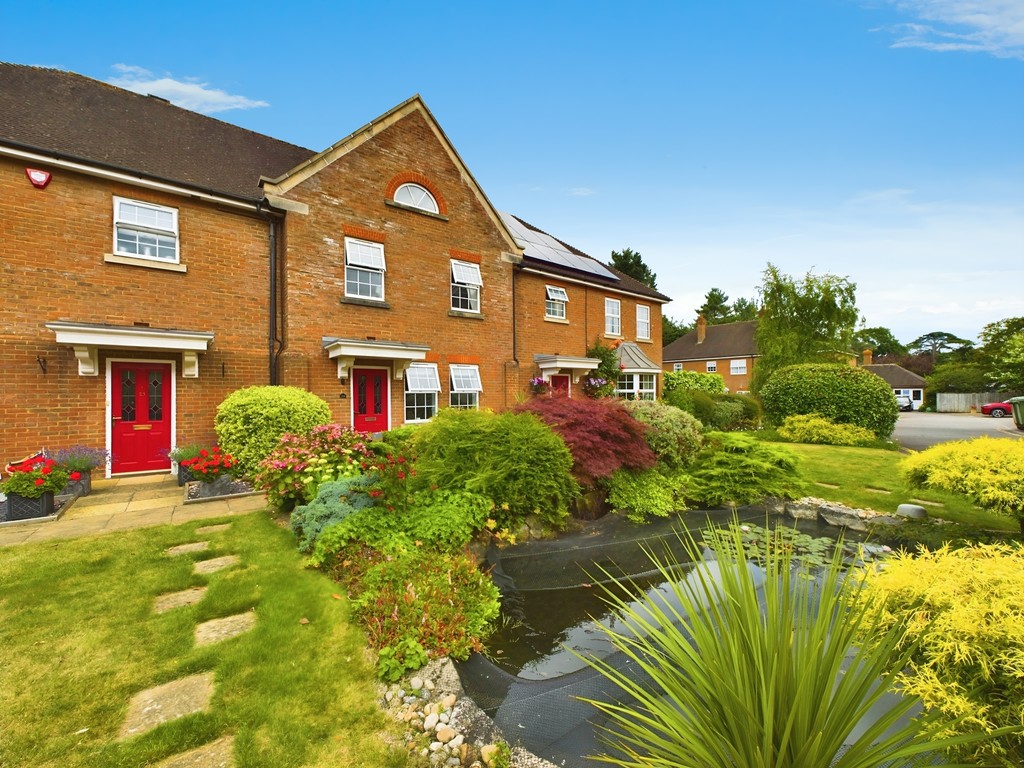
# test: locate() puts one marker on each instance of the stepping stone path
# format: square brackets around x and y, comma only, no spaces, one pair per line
[205,567]
[178,698]
[215,630]
[173,600]
[169,701]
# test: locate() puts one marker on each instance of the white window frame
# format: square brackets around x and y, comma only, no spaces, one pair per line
[555,302]
[711,366]
[467,284]
[364,258]
[419,197]
[636,386]
[612,317]
[643,322]
[422,385]
[676,367]
[738,367]
[465,386]
[143,228]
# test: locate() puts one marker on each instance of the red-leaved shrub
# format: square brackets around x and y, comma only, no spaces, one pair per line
[601,435]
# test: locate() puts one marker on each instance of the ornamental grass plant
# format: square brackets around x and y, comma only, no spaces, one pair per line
[750,677]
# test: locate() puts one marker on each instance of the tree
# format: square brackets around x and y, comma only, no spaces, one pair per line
[1002,353]
[805,321]
[715,308]
[631,263]
[879,340]
[744,309]
[672,329]
[937,343]
[957,377]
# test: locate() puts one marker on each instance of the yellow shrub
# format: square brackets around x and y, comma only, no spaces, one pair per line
[812,428]
[987,470]
[965,608]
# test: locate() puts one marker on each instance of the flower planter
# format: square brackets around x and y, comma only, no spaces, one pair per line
[24,508]
[219,487]
[184,475]
[80,487]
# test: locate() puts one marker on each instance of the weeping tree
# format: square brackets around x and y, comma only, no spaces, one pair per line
[803,321]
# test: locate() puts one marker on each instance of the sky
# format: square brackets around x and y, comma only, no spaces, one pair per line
[877,140]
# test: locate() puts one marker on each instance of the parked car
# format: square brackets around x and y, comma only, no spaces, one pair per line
[904,403]
[997,410]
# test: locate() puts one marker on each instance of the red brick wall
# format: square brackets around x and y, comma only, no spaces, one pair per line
[52,246]
[733,383]
[352,193]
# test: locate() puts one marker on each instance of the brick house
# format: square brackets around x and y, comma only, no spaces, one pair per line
[903,382]
[728,349]
[155,260]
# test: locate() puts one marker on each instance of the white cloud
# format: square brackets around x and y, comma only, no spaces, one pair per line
[988,26]
[582,191]
[188,93]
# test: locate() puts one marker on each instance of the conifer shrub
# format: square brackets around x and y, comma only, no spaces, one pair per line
[837,392]
[250,421]
[733,469]
[989,471]
[601,435]
[655,492]
[812,428]
[674,435]
[335,501]
[963,609]
[513,459]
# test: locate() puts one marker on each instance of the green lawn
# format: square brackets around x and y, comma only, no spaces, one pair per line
[78,638]
[869,478]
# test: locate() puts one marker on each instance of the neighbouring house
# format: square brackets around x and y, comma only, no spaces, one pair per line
[902,381]
[155,259]
[728,349]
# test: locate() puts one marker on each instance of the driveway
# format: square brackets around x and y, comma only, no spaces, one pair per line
[919,430]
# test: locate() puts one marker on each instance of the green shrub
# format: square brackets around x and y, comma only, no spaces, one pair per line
[964,611]
[446,520]
[837,392]
[513,459]
[441,602]
[811,428]
[655,492]
[334,501]
[712,383]
[752,413]
[726,415]
[400,440]
[680,398]
[296,467]
[935,534]
[767,669]
[249,422]
[734,468]
[675,436]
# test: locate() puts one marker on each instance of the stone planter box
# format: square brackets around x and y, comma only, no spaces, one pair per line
[81,487]
[23,508]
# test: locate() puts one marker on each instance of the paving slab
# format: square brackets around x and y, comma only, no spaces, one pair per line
[216,754]
[215,564]
[172,600]
[163,703]
[184,549]
[247,503]
[207,529]
[216,630]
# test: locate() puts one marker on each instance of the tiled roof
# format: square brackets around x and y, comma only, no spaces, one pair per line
[720,341]
[53,112]
[896,376]
[624,283]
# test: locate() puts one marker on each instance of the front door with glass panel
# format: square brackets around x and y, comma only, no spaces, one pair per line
[140,411]
[560,385]
[369,400]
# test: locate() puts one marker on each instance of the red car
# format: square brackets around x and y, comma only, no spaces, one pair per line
[997,410]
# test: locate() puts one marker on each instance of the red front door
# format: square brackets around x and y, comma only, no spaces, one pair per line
[140,408]
[560,385]
[369,400]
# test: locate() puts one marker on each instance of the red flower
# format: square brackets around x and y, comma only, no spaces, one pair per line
[401,475]
[75,476]
[46,470]
[40,481]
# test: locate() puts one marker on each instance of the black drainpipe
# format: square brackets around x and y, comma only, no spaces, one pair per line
[274,341]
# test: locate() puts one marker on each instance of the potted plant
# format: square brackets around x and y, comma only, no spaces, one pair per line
[214,470]
[598,386]
[179,455]
[539,385]
[31,486]
[79,461]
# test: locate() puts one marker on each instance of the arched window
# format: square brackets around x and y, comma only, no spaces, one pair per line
[416,196]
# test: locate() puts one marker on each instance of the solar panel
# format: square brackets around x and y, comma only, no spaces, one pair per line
[538,245]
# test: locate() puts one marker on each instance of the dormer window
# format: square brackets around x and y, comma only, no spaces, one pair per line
[415,196]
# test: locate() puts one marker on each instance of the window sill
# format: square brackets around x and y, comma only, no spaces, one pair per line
[613,335]
[365,302]
[467,315]
[645,341]
[559,320]
[413,209]
[111,258]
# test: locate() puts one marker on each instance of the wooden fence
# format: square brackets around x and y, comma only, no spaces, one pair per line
[959,402]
